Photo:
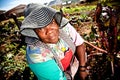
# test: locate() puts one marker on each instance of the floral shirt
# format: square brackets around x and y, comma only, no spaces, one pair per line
[39,54]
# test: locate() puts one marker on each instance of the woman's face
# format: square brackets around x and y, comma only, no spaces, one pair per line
[50,33]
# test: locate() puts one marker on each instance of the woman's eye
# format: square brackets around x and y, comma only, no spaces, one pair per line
[41,29]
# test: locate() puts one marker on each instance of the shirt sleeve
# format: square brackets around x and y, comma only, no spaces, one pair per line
[75,36]
[48,70]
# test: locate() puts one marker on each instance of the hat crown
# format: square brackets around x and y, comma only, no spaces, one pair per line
[29,8]
[42,16]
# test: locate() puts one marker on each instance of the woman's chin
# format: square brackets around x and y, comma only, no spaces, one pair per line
[54,41]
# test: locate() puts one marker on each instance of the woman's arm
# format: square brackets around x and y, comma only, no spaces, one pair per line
[81,55]
[80,50]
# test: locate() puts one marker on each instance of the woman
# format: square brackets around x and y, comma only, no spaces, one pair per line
[51,44]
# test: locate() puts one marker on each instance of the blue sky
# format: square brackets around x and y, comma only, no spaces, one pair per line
[9,4]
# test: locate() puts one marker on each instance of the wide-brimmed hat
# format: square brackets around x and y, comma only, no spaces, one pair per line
[38,16]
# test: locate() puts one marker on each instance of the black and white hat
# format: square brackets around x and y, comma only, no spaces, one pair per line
[38,16]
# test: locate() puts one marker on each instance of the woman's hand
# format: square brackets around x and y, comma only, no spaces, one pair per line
[83,74]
